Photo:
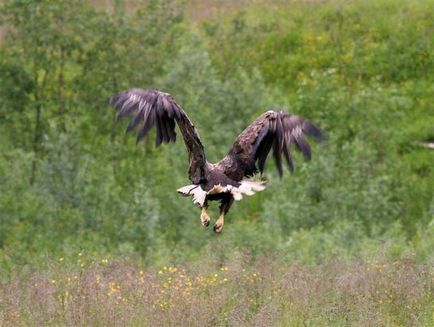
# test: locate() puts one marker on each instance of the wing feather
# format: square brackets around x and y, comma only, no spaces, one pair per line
[263,150]
[147,125]
[277,156]
[272,130]
[288,158]
[152,108]
[160,136]
[133,123]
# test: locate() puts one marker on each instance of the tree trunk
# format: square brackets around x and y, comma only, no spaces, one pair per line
[61,87]
[35,146]
[39,96]
[114,157]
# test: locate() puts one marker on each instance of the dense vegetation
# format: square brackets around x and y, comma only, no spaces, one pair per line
[72,182]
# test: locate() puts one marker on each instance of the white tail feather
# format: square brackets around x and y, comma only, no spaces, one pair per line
[195,191]
[247,187]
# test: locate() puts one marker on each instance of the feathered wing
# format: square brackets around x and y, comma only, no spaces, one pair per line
[272,130]
[154,108]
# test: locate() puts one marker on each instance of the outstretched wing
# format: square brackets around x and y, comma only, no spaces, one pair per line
[154,108]
[272,130]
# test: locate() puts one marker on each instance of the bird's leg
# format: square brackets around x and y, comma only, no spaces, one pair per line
[204,217]
[224,208]
[219,223]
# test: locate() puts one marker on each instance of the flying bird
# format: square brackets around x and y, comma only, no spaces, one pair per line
[232,177]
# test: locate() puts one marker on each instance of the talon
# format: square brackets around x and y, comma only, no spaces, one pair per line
[204,218]
[218,228]
[205,222]
[219,224]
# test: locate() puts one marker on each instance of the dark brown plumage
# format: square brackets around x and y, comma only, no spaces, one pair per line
[228,179]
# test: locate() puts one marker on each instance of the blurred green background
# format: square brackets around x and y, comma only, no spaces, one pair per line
[72,181]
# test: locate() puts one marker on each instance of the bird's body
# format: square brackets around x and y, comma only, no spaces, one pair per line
[230,178]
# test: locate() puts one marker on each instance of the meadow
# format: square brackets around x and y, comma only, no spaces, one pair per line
[92,231]
[233,293]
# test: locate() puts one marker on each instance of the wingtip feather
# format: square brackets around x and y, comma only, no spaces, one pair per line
[312,130]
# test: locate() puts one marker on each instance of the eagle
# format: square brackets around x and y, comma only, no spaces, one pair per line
[232,177]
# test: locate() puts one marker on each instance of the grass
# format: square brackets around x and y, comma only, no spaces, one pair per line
[117,292]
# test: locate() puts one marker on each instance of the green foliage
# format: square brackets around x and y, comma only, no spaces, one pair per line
[70,180]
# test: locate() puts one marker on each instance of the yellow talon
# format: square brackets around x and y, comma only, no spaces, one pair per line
[204,217]
[219,224]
